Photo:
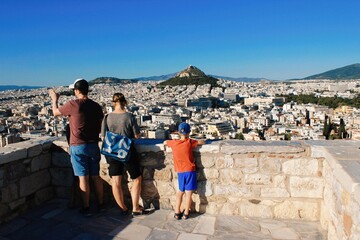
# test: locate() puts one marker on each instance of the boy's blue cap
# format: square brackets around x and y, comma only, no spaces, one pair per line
[184,128]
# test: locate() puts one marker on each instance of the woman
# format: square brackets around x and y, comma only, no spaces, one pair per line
[122,122]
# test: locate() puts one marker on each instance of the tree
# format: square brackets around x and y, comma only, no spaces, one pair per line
[239,136]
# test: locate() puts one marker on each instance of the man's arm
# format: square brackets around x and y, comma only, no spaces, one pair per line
[54,101]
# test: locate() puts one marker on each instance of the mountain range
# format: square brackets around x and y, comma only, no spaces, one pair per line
[348,72]
[16,87]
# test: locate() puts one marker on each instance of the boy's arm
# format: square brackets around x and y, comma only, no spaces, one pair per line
[201,142]
[165,144]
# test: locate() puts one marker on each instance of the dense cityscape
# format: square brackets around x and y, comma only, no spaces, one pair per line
[234,110]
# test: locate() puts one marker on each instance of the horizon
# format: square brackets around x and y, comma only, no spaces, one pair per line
[50,43]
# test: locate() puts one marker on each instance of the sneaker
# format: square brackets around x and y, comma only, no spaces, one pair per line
[85,212]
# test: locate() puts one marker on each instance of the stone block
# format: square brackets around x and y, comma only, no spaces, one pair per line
[224,162]
[244,162]
[62,176]
[231,176]
[40,162]
[291,209]
[8,154]
[60,159]
[309,187]
[9,193]
[301,167]
[232,190]
[279,181]
[166,188]
[44,195]
[14,171]
[164,174]
[211,173]
[274,193]
[15,204]
[206,160]
[34,182]
[209,148]
[248,209]
[165,203]
[270,166]
[204,188]
[232,147]
[34,150]
[249,170]
[257,179]
[229,209]
[211,208]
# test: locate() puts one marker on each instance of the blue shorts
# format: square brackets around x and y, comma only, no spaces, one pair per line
[85,159]
[187,181]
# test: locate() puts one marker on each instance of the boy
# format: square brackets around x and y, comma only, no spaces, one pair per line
[184,165]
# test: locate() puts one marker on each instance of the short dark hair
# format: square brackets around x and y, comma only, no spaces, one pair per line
[82,86]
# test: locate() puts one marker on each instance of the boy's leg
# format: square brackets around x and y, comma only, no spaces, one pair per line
[188,201]
[179,196]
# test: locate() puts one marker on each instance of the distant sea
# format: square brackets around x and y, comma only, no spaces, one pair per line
[15,87]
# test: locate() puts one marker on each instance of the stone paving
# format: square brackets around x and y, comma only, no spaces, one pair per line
[55,221]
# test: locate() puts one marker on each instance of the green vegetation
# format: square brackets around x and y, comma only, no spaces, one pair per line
[332,102]
[110,80]
[347,72]
[176,81]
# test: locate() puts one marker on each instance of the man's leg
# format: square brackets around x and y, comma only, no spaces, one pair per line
[98,182]
[85,190]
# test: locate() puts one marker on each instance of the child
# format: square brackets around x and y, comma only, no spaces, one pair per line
[185,167]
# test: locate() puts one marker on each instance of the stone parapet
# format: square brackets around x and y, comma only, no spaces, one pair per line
[310,180]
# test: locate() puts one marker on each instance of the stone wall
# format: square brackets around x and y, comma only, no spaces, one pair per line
[341,200]
[252,179]
[288,180]
[25,177]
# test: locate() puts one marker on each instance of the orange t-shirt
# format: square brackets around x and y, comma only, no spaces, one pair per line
[183,155]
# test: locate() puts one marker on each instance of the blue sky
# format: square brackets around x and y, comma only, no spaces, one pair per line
[51,43]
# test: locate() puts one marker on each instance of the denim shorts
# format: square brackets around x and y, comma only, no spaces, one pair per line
[85,159]
[187,181]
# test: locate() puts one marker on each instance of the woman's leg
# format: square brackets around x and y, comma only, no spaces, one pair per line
[117,192]
[135,193]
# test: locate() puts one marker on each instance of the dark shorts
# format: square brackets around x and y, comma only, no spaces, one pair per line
[116,168]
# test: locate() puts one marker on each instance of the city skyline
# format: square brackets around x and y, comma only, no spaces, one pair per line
[51,43]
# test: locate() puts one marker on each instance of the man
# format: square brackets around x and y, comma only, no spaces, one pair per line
[85,118]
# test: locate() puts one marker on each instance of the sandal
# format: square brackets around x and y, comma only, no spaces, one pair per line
[185,216]
[134,214]
[178,216]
